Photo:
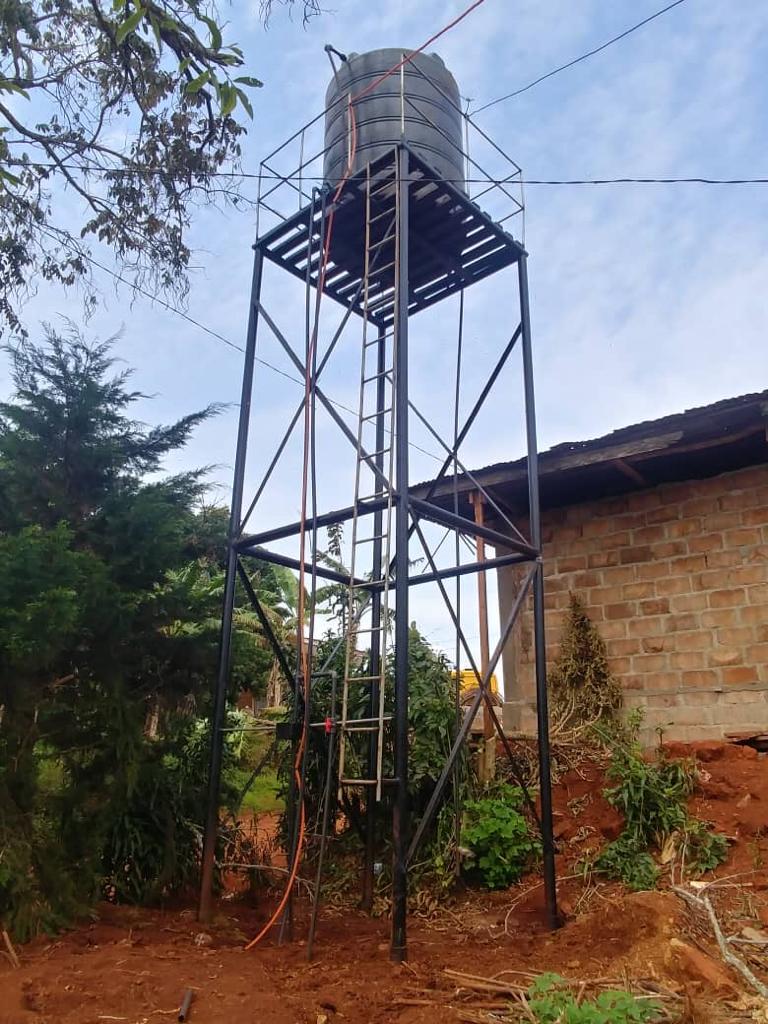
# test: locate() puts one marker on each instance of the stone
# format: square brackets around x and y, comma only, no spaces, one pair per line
[701,967]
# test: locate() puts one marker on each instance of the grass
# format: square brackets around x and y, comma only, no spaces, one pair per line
[261,797]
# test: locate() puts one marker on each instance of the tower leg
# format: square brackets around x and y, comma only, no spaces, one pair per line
[225,642]
[542,708]
[398,949]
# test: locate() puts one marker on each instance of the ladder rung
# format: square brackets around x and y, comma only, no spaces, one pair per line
[389,183]
[370,540]
[384,213]
[373,727]
[375,376]
[366,782]
[372,455]
[377,339]
[378,271]
[373,415]
[382,241]
[363,679]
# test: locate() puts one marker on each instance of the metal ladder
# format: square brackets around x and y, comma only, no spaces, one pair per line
[376,399]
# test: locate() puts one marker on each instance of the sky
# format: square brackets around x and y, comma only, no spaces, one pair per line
[645,299]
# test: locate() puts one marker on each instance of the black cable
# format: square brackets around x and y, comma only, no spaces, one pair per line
[509,180]
[577,60]
[154,297]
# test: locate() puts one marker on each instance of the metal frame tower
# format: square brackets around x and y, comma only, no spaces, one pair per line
[393,240]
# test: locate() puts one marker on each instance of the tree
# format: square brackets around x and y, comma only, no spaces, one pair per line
[67,447]
[134,107]
[109,614]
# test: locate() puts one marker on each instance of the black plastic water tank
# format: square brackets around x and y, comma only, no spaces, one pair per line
[432,118]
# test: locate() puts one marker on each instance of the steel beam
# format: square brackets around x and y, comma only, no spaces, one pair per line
[341,515]
[400,816]
[205,908]
[426,510]
[542,711]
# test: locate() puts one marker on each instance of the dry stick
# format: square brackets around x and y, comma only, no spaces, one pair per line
[477,982]
[703,902]
[526,1008]
[11,951]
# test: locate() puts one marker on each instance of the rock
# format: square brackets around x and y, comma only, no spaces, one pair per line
[701,967]
[203,939]
[755,935]
[561,829]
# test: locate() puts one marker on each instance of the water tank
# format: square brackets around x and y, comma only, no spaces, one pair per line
[433,124]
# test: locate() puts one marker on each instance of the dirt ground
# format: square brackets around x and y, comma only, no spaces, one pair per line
[132,965]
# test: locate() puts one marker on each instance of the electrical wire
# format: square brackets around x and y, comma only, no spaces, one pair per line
[578,60]
[510,180]
[154,297]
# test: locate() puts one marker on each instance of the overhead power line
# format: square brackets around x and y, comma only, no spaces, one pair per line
[578,60]
[153,297]
[510,180]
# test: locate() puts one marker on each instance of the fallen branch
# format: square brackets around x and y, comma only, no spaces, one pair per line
[704,903]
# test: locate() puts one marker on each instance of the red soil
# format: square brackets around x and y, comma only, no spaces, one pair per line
[132,965]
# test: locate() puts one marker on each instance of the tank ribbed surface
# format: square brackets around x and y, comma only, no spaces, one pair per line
[432,120]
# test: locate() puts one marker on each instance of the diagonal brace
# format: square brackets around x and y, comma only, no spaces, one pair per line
[266,625]
[461,735]
[368,459]
[435,514]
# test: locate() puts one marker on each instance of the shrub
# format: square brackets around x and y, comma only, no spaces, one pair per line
[626,860]
[551,1002]
[651,796]
[498,838]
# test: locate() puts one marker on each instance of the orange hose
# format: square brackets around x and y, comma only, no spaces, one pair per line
[305,467]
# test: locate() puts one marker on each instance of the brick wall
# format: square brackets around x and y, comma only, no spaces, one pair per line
[676,580]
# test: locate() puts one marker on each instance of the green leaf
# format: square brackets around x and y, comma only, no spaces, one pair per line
[197,83]
[248,80]
[227,98]
[6,85]
[130,24]
[215,32]
[10,178]
[156,29]
[245,102]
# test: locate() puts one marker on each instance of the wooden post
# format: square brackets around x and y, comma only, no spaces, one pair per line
[487,761]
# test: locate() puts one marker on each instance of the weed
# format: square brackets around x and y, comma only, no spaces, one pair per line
[551,1001]
[497,835]
[651,796]
[627,862]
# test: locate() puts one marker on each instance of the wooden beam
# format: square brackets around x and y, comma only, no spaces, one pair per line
[629,470]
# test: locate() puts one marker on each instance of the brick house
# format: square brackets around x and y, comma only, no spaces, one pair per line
[662,529]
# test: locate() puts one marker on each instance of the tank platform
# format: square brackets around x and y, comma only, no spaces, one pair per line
[452,242]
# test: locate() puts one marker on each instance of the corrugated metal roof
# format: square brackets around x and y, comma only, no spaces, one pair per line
[699,442]
[757,401]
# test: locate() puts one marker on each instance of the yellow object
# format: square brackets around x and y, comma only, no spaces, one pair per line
[469,681]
